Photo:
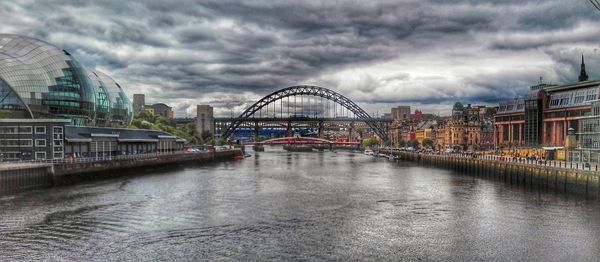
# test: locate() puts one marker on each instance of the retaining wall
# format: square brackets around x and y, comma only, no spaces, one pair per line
[19,177]
[547,178]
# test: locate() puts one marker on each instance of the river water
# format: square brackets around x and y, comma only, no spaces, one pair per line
[277,205]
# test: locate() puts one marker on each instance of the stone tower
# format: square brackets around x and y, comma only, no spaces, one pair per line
[205,120]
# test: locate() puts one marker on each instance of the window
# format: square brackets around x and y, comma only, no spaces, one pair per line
[8,130]
[16,142]
[520,106]
[58,155]
[40,155]
[40,143]
[57,130]
[25,130]
[40,129]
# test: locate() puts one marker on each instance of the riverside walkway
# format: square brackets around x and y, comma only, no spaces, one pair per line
[564,177]
[17,176]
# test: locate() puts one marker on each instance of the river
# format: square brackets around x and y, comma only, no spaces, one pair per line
[277,205]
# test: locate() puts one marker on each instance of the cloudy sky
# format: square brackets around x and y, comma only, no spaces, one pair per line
[425,53]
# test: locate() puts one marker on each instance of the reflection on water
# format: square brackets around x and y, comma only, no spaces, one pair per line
[288,206]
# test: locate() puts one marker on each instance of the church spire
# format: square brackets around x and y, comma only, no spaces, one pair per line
[582,74]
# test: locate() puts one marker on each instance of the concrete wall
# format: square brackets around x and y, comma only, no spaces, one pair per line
[545,178]
[19,177]
[15,178]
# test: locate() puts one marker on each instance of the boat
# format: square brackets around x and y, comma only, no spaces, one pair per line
[239,157]
[369,152]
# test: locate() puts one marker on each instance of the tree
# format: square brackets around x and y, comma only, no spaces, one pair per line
[369,142]
[206,135]
[402,143]
[427,142]
[413,143]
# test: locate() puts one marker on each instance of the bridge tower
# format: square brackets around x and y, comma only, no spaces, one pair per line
[289,128]
[205,120]
[321,130]
[256,131]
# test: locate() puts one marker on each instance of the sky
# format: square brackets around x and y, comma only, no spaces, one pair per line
[229,54]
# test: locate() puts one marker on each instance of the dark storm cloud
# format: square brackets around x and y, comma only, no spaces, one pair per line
[178,52]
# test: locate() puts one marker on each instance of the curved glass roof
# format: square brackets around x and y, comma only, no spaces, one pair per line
[39,80]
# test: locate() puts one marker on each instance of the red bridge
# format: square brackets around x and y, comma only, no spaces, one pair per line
[300,141]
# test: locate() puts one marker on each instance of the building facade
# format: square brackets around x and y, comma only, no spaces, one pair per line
[205,121]
[31,139]
[161,109]
[400,113]
[467,129]
[544,116]
[139,101]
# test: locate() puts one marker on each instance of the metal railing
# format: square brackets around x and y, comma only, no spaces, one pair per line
[522,160]
[102,158]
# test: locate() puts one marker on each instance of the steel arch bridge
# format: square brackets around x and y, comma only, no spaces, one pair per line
[307,90]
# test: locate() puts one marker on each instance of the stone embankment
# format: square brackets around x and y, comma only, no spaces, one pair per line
[552,176]
[16,177]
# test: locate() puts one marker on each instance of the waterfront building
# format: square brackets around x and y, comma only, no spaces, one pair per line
[422,134]
[468,128]
[51,107]
[40,81]
[113,108]
[27,139]
[108,142]
[587,146]
[139,101]
[545,114]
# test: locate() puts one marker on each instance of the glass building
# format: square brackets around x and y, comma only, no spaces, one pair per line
[39,81]
[113,108]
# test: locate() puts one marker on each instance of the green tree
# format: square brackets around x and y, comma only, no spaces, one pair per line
[369,142]
[402,143]
[413,143]
[206,135]
[427,142]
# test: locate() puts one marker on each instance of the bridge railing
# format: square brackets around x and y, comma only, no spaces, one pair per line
[101,158]
[521,160]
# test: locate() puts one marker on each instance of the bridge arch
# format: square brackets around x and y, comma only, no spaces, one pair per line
[309,90]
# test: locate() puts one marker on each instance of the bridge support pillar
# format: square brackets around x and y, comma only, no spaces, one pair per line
[256,132]
[321,129]
[289,129]
[350,131]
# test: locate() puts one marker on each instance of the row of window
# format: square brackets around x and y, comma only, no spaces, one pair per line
[27,130]
[25,142]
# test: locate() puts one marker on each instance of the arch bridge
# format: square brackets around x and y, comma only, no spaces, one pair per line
[304,107]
